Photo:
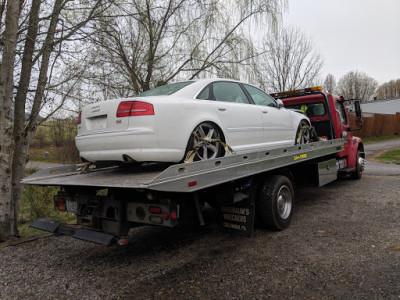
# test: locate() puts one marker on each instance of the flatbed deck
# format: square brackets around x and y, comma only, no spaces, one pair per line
[185,177]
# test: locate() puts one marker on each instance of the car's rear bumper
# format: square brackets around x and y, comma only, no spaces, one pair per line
[138,145]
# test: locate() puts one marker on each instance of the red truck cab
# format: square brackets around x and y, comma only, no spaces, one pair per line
[328,115]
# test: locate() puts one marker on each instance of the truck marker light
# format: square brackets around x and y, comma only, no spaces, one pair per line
[192,183]
[155,210]
[165,216]
[123,242]
[173,215]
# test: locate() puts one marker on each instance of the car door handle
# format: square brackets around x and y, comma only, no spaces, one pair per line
[221,108]
[265,111]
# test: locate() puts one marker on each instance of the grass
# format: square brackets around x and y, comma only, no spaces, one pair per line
[375,139]
[390,156]
[56,139]
[37,202]
[38,154]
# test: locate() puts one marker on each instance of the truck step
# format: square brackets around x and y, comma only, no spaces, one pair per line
[347,170]
[94,236]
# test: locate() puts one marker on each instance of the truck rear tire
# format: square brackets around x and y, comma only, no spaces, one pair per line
[275,202]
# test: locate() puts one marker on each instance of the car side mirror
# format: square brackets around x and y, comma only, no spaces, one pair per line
[279,103]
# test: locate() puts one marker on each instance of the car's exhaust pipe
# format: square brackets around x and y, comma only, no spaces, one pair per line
[127,159]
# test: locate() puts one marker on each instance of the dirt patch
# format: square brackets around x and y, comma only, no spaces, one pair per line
[343,243]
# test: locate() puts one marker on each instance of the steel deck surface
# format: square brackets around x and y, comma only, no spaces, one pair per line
[176,177]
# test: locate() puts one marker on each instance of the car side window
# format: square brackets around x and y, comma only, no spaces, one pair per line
[205,94]
[229,92]
[259,97]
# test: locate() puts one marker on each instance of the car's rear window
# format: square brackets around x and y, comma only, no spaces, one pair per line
[164,90]
[312,109]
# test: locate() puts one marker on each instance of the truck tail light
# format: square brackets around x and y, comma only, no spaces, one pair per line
[134,108]
[174,215]
[60,203]
[155,210]
[79,120]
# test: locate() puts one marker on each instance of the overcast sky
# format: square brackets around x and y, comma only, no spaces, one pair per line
[351,35]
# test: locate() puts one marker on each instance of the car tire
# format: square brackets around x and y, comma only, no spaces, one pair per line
[204,143]
[303,134]
[275,202]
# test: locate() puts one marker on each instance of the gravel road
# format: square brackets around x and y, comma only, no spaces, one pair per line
[344,243]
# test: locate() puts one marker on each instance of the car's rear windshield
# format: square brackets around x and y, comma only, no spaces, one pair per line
[164,90]
[312,109]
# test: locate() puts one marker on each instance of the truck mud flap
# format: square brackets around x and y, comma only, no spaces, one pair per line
[94,236]
[238,218]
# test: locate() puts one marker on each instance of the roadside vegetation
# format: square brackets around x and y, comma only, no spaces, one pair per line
[376,139]
[53,143]
[37,202]
[390,156]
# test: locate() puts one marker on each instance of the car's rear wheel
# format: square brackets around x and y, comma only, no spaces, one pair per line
[204,143]
[303,135]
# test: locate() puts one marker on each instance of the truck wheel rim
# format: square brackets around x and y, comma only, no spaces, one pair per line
[284,202]
[360,164]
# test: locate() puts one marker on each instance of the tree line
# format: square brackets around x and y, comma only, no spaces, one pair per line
[359,85]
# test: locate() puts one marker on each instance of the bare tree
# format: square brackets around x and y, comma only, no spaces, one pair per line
[389,90]
[289,61]
[330,83]
[140,44]
[8,43]
[45,30]
[357,85]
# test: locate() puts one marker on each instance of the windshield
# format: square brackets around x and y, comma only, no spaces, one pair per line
[164,90]
[311,109]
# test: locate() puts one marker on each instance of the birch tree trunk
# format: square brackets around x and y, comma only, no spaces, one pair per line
[23,137]
[9,41]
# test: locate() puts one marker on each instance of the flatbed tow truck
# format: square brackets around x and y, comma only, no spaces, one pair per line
[256,187]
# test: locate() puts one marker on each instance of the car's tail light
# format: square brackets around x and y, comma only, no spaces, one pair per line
[79,120]
[124,109]
[134,108]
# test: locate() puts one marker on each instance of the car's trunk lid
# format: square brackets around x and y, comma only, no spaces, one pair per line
[102,117]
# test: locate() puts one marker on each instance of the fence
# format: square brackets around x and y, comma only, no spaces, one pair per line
[378,125]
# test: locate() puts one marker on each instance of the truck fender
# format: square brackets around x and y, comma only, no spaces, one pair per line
[355,144]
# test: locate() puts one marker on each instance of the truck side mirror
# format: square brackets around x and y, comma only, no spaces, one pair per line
[357,108]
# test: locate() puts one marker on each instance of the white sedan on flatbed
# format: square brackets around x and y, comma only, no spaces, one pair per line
[195,119]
